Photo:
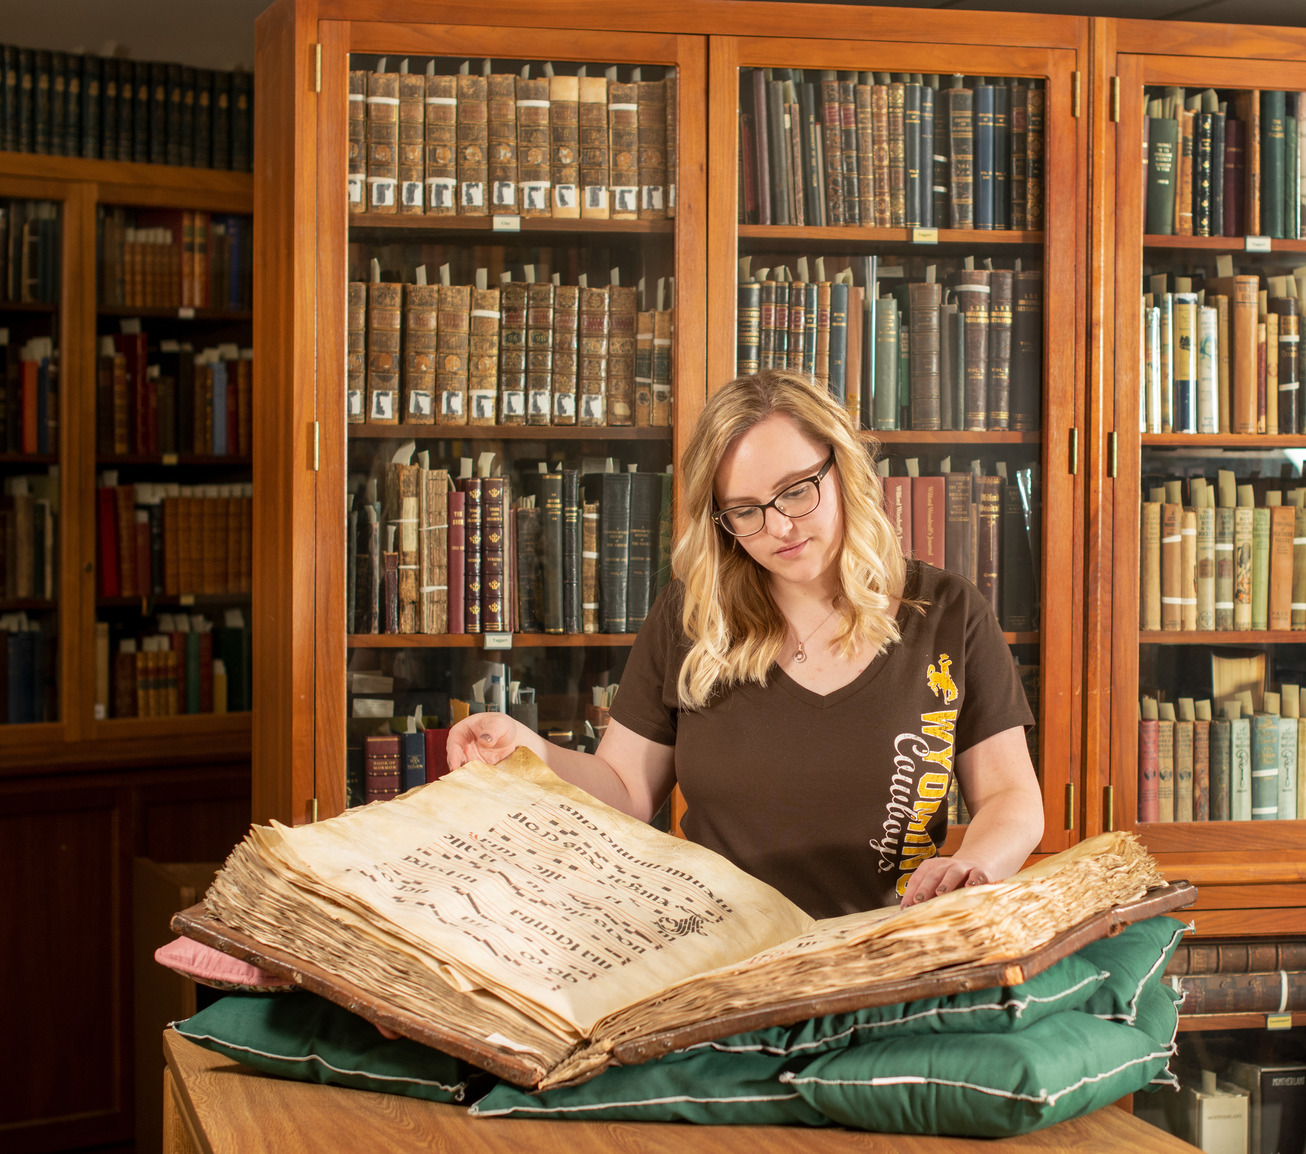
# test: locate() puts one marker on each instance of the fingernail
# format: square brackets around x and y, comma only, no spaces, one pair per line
[919,898]
[942,890]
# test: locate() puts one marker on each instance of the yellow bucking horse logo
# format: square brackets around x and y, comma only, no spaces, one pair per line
[940,680]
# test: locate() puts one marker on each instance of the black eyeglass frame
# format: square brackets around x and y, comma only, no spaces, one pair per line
[816,479]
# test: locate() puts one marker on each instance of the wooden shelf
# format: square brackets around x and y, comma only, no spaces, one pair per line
[163,600]
[171,461]
[477,640]
[1236,637]
[506,433]
[529,225]
[790,236]
[1190,1022]
[28,460]
[1240,442]
[176,313]
[38,307]
[953,437]
[1231,244]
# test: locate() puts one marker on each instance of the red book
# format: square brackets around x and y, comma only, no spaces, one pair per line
[457,561]
[927,520]
[437,759]
[1149,796]
[31,377]
[133,348]
[1234,178]
[381,767]
[897,504]
[110,583]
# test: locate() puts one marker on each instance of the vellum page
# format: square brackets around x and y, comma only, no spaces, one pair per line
[500,880]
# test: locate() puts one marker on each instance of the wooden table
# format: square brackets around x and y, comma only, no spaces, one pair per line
[213,1105]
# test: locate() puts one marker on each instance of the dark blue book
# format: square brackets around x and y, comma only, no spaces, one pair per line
[142,113]
[186,129]
[983,207]
[203,148]
[58,102]
[22,676]
[172,139]
[108,108]
[41,101]
[92,98]
[8,97]
[221,113]
[911,119]
[928,158]
[158,151]
[1001,156]
[126,109]
[26,99]
[72,118]
[412,760]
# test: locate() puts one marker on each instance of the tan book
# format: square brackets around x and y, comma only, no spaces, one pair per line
[539,354]
[356,167]
[623,150]
[592,116]
[417,380]
[473,146]
[1188,569]
[592,357]
[566,333]
[533,148]
[822,369]
[1220,303]
[513,305]
[382,141]
[384,301]
[1282,526]
[1183,201]
[501,137]
[451,342]
[1206,566]
[1171,566]
[589,567]
[433,551]
[1298,617]
[1034,152]
[621,355]
[897,155]
[673,140]
[441,145]
[644,368]
[1183,768]
[1242,293]
[1271,323]
[663,332]
[1242,566]
[412,142]
[1165,764]
[355,351]
[400,513]
[483,357]
[564,145]
[652,137]
[880,197]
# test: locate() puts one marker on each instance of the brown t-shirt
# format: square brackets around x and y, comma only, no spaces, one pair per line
[832,799]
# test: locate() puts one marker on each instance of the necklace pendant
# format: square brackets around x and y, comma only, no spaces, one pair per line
[801,654]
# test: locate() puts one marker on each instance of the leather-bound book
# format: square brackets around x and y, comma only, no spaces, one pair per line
[799,295]
[592,120]
[1243,295]
[652,136]
[433,551]
[614,551]
[1017,580]
[958,512]
[533,150]
[927,520]
[642,550]
[473,490]
[852,209]
[1034,157]
[501,133]
[572,539]
[564,145]
[748,212]
[832,151]
[589,567]
[983,189]
[1026,374]
[527,524]
[884,386]
[837,369]
[483,357]
[863,119]
[1290,411]
[961,150]
[1001,290]
[897,154]
[989,500]
[621,355]
[913,154]
[551,551]
[1282,523]
[1001,156]
[384,310]
[367,608]
[451,342]
[441,145]
[412,142]
[592,359]
[1203,134]
[390,586]
[934,158]
[355,352]
[623,151]
[221,120]
[417,378]
[382,768]
[1163,142]
[971,290]
[539,353]
[644,367]
[898,508]
[513,304]
[672,82]
[1273,149]
[356,189]
[822,363]
[1148,767]
[566,346]
[473,151]
[1019,125]
[401,514]
[494,552]
[1298,616]
[1171,566]
[1183,225]
[881,200]
[382,142]
[926,298]
[663,329]
[766,324]
[1234,177]
[457,564]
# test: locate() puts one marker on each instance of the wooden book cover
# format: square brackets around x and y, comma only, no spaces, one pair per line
[417,378]
[472,154]
[652,136]
[593,324]
[384,313]
[412,143]
[623,150]
[926,298]
[501,142]
[382,141]
[881,200]
[971,288]
[514,304]
[539,353]
[1172,579]
[739,970]
[592,116]
[452,329]
[566,348]
[621,355]
[564,145]
[357,147]
[534,168]
[1282,527]
[663,331]
[483,357]
[1001,319]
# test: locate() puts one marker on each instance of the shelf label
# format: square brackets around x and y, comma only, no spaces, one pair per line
[186,599]
[1256,244]
[186,313]
[169,458]
[496,641]
[101,711]
[925,236]
[1278,1021]
[506,224]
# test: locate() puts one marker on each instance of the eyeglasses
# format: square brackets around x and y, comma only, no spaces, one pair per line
[799,499]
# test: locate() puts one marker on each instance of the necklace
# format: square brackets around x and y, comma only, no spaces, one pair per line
[800,654]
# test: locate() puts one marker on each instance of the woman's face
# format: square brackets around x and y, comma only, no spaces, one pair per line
[764,462]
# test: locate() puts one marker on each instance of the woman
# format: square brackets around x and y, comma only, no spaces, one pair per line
[809,690]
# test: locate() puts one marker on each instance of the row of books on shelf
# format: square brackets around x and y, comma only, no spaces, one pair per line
[517,354]
[166,539]
[174,258]
[29,407]
[983,526]
[957,348]
[576,550]
[29,514]
[171,398]
[27,670]
[567,146]
[1221,561]
[890,150]
[111,108]
[29,252]
[178,664]
[1223,358]
[1222,165]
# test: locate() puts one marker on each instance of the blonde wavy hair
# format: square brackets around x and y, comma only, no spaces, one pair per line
[735,631]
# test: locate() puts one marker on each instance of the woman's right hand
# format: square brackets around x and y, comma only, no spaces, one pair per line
[487,737]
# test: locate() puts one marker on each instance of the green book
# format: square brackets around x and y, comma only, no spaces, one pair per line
[1292,180]
[1162,160]
[1273,161]
[1224,567]
[1261,567]
[1265,767]
[1240,769]
[884,394]
[1219,769]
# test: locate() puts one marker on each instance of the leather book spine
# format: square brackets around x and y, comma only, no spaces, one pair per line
[926,298]
[473,489]
[885,387]
[1234,177]
[912,153]
[663,330]
[589,567]
[494,551]
[1165,770]
[564,142]
[417,379]
[527,521]
[1001,156]
[645,507]
[1203,133]
[411,146]
[643,370]
[539,353]
[501,136]
[221,120]
[1026,371]
[412,769]
[621,355]
[592,358]
[958,498]
[390,589]
[1188,569]
[1034,158]
[1265,767]
[1289,388]
[1273,149]
[672,177]
[927,520]
[799,294]
[881,207]
[898,508]
[1148,767]
[652,137]
[961,140]
[472,154]
[1220,769]
[762,144]
[623,151]
[572,538]
[382,773]
[407,478]
[533,166]
[433,552]
[457,564]
[972,291]
[384,312]
[513,306]
[592,117]
[832,151]
[551,551]
[1281,991]
[863,121]
[983,190]
[1171,566]
[483,357]
[988,493]
[897,155]
[566,346]
[837,369]
[382,141]
[1001,292]
[1016,179]
[441,155]
[452,329]
[614,551]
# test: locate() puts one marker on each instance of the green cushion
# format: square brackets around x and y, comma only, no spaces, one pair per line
[307,1038]
[1134,960]
[983,1084]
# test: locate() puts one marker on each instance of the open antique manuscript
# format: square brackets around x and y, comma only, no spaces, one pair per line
[512,919]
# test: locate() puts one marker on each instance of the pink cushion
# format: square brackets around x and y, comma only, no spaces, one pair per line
[212,967]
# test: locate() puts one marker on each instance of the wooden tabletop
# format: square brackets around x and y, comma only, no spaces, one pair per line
[216,1106]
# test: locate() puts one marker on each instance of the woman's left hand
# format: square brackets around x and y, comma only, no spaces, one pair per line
[942,875]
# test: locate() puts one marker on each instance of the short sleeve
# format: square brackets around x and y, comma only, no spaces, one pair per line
[646,701]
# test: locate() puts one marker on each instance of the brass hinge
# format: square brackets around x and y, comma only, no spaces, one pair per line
[1070,805]
[1109,801]
[1074,451]
[1113,447]
[312,809]
[1115,99]
[317,68]
[317,431]
[1074,93]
